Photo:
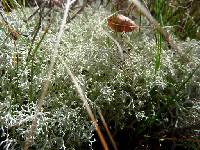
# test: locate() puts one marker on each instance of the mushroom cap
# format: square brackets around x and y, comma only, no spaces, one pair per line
[121,23]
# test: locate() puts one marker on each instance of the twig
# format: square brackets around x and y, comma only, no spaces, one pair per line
[118,46]
[107,130]
[83,98]
[78,12]
[32,15]
[146,13]
[35,33]
[181,139]
[46,83]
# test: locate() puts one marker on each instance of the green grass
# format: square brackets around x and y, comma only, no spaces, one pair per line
[148,86]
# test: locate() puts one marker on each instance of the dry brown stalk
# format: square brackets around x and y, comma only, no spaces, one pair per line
[107,130]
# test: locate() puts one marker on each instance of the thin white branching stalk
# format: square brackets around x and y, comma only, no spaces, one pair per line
[148,15]
[85,102]
[40,101]
[107,130]
[118,46]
